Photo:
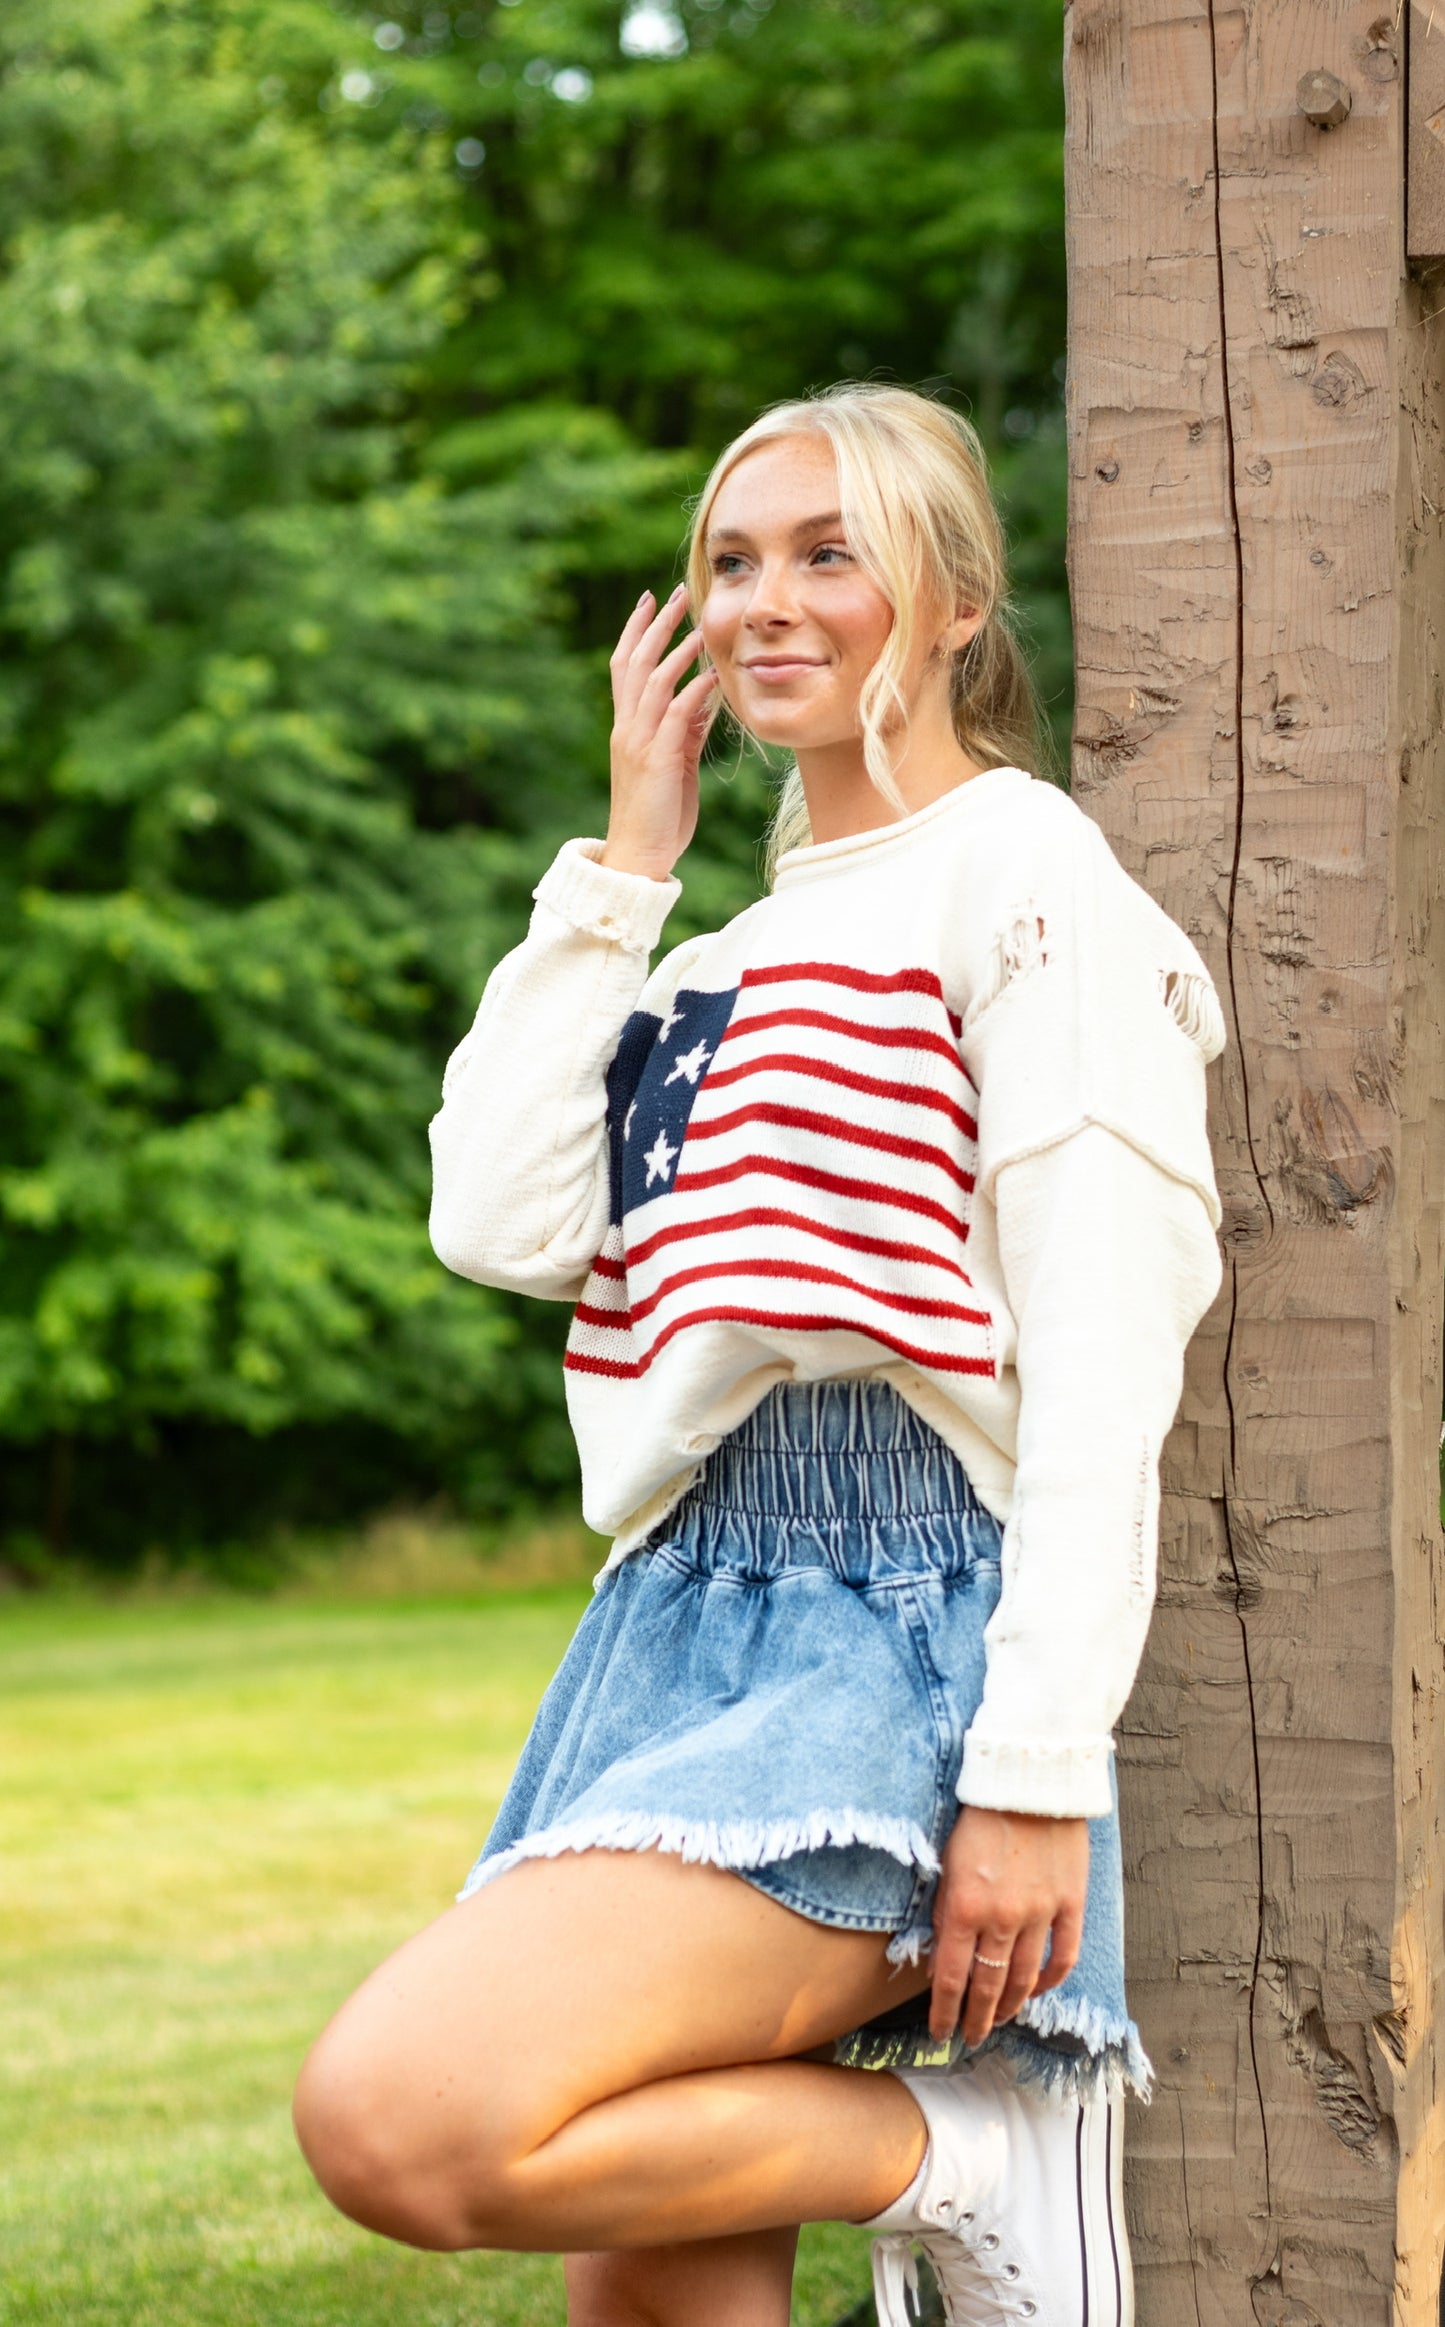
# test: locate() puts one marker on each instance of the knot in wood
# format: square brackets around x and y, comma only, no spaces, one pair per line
[1323,99]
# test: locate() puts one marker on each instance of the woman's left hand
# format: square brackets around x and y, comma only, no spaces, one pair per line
[1008,1881]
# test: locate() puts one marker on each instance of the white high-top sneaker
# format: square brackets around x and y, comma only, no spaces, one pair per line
[1020,2208]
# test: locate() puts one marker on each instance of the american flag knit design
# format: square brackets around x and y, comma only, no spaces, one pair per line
[796,1152]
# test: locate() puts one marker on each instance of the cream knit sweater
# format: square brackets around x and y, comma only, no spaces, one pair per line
[933,1111]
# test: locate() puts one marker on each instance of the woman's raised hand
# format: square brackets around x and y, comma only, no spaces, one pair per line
[658,731]
[1009,1880]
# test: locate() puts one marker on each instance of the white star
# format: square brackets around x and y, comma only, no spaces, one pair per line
[658,1160]
[627,1120]
[674,1018]
[690,1063]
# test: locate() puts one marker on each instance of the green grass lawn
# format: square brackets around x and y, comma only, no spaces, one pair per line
[215,1816]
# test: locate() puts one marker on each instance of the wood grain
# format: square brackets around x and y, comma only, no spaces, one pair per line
[1257,474]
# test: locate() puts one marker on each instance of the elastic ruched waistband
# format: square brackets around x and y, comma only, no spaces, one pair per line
[839,1451]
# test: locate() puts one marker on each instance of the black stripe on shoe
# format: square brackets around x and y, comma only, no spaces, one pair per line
[1079,2190]
[1109,2201]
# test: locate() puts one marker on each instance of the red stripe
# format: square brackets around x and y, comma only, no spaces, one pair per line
[768,1216]
[936,1361]
[828,1127]
[831,1183]
[840,974]
[610,1320]
[804,1273]
[606,1266]
[896,1037]
[905,1094]
[618,1370]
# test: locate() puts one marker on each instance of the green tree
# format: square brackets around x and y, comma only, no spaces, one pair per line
[247,650]
[356,367]
[688,209]
[775,197]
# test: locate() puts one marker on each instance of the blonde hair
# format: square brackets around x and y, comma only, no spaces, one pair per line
[920,519]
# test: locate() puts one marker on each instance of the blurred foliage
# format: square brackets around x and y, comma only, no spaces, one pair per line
[356,369]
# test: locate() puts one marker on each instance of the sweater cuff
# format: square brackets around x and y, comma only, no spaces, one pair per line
[1071,1779]
[624,909]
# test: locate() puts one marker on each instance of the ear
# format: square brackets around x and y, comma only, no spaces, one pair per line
[961,632]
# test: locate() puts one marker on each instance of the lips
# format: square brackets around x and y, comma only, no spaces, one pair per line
[782,667]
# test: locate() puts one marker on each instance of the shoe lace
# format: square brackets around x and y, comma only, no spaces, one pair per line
[895,2274]
[895,2278]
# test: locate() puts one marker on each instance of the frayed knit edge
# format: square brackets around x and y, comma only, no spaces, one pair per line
[1104,2058]
[738,1846]
[1193,1004]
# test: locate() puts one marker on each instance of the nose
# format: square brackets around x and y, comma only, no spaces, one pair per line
[772,601]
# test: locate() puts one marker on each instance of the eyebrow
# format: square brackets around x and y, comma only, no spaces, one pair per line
[804,525]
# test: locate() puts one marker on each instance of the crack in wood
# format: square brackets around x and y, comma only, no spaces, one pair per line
[1227,1508]
[1237,545]
[1188,2215]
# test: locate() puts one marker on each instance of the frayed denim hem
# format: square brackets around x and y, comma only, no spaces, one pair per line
[1062,2046]
[911,1945]
[738,1845]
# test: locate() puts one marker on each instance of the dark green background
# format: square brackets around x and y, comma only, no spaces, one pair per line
[335,449]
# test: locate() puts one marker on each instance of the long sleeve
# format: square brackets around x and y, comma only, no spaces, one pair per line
[519,1149]
[1109,1263]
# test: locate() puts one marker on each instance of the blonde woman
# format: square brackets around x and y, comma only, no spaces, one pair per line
[887,1213]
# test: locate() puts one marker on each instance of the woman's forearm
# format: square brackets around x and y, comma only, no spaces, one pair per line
[519,1149]
[1110,1262]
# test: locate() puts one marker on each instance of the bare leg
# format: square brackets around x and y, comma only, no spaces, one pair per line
[709,2282]
[600,2051]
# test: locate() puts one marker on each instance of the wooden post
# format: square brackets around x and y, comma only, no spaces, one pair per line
[1257,401]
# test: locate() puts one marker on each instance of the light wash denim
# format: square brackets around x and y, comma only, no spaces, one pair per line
[779,1683]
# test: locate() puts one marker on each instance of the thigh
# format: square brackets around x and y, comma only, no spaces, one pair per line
[573,1979]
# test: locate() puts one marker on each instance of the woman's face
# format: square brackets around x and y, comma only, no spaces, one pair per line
[792,623]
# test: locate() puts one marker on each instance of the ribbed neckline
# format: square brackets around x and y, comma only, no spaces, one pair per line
[827,856]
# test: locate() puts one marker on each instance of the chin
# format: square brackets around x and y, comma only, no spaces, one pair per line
[788,725]
[786,734]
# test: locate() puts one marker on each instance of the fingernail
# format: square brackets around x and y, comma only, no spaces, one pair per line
[642,601]
[679,592]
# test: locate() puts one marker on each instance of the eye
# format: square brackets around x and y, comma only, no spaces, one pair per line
[833,552]
[727,561]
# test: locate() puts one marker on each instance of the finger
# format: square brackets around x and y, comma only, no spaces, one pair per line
[657,690]
[688,704]
[675,727]
[632,671]
[632,630]
[1023,1970]
[989,1978]
[945,2002]
[952,1963]
[656,633]
[1064,1952]
[699,727]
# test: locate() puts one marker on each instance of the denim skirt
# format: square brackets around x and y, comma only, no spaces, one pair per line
[779,1682]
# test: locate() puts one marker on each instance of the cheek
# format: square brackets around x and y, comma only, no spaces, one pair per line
[718,623]
[862,631]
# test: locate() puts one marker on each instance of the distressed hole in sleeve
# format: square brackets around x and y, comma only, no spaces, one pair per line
[1020,947]
[1143,1551]
[1191,1003]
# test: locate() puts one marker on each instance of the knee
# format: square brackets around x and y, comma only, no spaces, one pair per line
[385,2153]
